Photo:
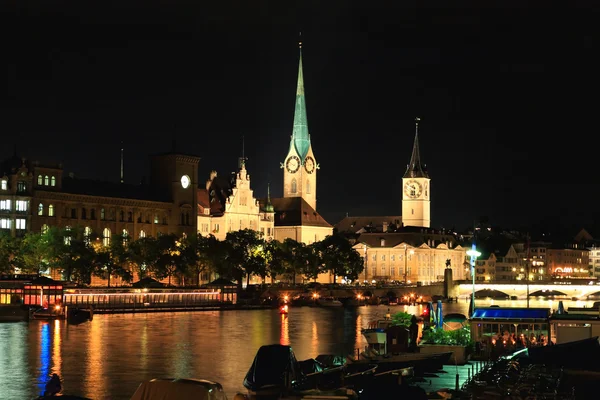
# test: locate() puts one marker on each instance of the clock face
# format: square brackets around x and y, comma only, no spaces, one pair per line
[309,165]
[292,164]
[413,189]
[185,181]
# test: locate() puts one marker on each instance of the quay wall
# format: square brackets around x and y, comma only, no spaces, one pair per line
[346,293]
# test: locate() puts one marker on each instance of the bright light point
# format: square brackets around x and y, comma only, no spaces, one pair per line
[473,253]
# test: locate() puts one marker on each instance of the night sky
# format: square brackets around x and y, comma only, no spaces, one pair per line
[507,95]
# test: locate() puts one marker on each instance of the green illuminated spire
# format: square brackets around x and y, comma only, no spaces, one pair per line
[268,205]
[300,136]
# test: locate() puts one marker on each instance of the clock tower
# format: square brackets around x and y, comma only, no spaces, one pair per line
[416,189]
[300,167]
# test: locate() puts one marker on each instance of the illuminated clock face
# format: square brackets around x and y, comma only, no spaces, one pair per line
[413,189]
[292,164]
[185,181]
[309,165]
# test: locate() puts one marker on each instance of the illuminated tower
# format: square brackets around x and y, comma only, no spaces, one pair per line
[300,166]
[416,193]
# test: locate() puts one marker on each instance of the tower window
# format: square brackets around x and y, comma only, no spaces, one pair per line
[308,187]
[4,184]
[294,186]
[51,210]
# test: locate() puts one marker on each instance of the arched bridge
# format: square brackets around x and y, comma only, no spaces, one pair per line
[580,292]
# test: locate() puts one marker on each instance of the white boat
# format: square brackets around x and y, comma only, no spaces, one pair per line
[165,389]
[329,302]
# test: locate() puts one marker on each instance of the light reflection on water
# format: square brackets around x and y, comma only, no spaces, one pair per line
[109,356]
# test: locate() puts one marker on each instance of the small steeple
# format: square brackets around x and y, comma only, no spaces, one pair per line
[415,169]
[268,205]
[300,136]
[242,159]
[122,181]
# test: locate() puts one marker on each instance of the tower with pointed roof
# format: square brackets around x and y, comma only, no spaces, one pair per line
[300,166]
[416,189]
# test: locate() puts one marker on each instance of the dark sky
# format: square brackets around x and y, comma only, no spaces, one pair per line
[507,92]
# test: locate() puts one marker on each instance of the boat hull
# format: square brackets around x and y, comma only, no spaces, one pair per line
[375,336]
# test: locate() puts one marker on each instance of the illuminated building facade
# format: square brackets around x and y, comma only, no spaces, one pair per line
[415,255]
[228,204]
[34,197]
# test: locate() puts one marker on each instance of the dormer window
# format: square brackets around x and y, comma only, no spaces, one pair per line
[40,180]
[53,181]
[382,243]
[46,180]
[4,184]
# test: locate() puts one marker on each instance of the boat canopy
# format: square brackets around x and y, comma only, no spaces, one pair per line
[161,389]
[274,366]
[511,314]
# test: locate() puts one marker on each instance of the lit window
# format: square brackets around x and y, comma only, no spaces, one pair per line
[5,205]
[87,234]
[4,223]
[102,214]
[294,186]
[156,218]
[44,228]
[308,187]
[106,237]
[20,223]
[40,180]
[21,187]
[53,181]
[40,209]
[125,236]
[46,180]
[68,235]
[21,205]
[142,234]
[4,184]
[51,210]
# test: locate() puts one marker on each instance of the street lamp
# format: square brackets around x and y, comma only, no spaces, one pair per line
[405,263]
[473,253]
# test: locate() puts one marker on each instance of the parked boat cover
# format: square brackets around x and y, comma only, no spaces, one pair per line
[179,389]
[274,366]
[331,360]
[310,366]
[579,354]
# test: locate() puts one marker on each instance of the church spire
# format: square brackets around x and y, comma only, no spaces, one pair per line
[268,206]
[414,169]
[300,136]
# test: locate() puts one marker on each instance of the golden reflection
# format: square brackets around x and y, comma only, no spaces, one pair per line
[359,328]
[314,339]
[258,331]
[144,347]
[284,338]
[96,376]
[56,348]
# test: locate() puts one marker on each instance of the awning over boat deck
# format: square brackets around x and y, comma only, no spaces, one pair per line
[489,314]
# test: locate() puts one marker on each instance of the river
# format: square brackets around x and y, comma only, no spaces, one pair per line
[108,357]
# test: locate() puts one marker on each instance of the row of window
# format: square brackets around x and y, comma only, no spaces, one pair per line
[20,223]
[20,205]
[72,213]
[87,233]
[295,186]
[21,186]
[46,181]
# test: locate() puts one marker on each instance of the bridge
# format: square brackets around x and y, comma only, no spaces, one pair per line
[568,289]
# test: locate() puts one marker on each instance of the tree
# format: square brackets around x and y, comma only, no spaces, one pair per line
[241,260]
[294,257]
[211,254]
[314,261]
[111,260]
[9,247]
[169,261]
[340,258]
[274,258]
[143,255]
[35,250]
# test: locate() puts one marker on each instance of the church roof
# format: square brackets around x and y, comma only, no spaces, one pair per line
[92,187]
[215,197]
[300,136]
[414,169]
[412,237]
[369,224]
[295,211]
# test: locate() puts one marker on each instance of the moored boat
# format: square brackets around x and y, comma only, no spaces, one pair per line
[162,389]
[329,302]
